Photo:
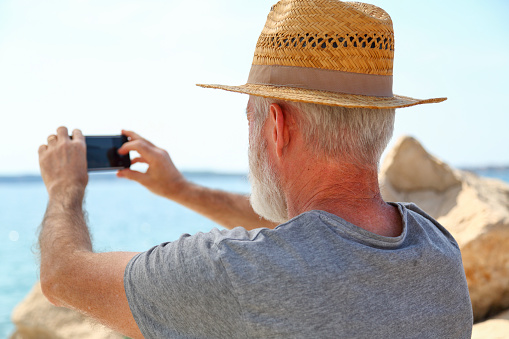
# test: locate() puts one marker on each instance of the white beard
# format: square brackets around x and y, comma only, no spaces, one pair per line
[267,197]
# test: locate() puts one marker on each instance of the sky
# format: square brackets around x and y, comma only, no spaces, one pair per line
[106,65]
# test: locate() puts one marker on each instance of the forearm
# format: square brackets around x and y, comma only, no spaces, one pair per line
[63,235]
[163,178]
[72,275]
[225,208]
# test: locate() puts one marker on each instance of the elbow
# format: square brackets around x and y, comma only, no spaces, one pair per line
[59,279]
[51,288]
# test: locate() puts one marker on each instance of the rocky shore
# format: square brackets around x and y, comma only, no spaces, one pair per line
[474,209]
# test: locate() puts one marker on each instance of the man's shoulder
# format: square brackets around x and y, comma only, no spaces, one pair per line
[415,217]
[243,235]
[414,209]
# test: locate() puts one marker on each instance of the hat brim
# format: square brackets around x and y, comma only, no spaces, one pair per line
[325,98]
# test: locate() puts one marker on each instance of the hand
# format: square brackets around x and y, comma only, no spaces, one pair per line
[162,177]
[63,162]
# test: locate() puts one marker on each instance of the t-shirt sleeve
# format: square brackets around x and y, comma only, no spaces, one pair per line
[180,289]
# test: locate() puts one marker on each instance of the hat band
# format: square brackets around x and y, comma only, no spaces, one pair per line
[322,80]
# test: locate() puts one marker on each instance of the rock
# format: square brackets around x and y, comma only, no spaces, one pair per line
[408,167]
[495,328]
[475,210]
[36,317]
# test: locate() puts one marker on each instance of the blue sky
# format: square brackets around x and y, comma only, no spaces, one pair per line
[104,65]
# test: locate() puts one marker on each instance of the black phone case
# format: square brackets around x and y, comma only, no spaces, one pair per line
[102,153]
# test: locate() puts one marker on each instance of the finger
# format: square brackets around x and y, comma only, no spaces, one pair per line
[77,135]
[135,136]
[131,135]
[138,160]
[42,148]
[62,133]
[131,175]
[52,139]
[141,146]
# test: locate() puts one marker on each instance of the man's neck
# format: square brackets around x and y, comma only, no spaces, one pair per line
[346,190]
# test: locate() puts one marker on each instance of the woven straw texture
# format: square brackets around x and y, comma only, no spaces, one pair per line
[350,37]
[325,98]
[327,34]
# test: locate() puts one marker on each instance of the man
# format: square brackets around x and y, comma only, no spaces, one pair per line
[342,263]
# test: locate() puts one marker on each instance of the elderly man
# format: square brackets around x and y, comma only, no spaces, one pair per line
[329,258]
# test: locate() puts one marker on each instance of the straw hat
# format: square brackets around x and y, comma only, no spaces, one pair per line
[326,52]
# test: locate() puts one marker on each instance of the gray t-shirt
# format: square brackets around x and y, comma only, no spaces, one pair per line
[316,276]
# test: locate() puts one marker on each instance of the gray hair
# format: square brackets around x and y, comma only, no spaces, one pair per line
[359,135]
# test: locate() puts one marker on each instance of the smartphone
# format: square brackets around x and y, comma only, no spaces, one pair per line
[102,153]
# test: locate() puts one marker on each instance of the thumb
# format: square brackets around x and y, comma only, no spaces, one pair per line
[131,175]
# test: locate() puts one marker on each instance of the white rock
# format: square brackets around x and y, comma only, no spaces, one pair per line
[35,317]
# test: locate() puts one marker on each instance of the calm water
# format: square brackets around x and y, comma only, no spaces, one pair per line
[497,173]
[122,216]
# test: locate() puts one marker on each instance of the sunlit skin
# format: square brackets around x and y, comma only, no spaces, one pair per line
[72,275]
[319,183]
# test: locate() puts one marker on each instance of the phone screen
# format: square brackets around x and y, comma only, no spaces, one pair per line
[102,153]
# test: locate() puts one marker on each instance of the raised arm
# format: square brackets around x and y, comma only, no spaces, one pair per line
[72,275]
[164,179]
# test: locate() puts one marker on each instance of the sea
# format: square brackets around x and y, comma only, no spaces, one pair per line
[122,216]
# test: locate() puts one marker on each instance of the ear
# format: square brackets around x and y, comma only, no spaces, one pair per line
[280,132]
